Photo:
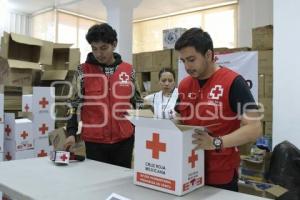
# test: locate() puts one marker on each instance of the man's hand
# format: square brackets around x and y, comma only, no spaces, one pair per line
[203,140]
[69,142]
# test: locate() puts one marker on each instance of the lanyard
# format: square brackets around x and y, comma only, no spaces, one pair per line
[162,106]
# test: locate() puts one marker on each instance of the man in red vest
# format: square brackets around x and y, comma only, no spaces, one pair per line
[219,99]
[107,90]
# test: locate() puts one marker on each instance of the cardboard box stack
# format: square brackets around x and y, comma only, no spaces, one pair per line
[251,169]
[147,66]
[262,41]
[157,142]
[43,118]
[21,57]
[1,122]
[61,75]
[27,61]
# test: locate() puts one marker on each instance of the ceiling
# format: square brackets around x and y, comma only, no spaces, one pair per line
[96,9]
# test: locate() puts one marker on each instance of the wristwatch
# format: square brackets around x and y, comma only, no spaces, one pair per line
[218,143]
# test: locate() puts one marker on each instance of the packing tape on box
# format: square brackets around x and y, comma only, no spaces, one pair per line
[64,157]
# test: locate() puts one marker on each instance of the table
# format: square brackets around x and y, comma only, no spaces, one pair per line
[40,179]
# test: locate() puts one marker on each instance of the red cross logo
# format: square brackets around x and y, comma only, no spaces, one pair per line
[216,92]
[26,108]
[8,156]
[42,153]
[43,102]
[64,157]
[155,146]
[7,130]
[193,158]
[43,129]
[24,135]
[123,77]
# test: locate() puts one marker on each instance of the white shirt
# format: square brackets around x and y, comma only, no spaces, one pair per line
[163,105]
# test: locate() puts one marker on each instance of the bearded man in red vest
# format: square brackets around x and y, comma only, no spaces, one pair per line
[107,90]
[219,99]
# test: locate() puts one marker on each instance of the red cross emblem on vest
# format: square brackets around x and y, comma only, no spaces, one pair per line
[7,130]
[24,135]
[124,78]
[193,158]
[155,146]
[216,92]
[43,102]
[43,129]
[42,153]
[26,108]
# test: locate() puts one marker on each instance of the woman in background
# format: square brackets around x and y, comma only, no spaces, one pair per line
[163,102]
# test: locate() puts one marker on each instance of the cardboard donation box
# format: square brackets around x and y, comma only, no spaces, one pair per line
[164,156]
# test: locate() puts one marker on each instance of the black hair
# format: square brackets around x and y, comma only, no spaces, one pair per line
[166,70]
[197,38]
[101,33]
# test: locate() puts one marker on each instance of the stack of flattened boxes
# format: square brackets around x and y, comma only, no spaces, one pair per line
[61,75]
[20,60]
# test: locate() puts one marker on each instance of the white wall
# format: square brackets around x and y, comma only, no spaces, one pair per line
[18,23]
[286,95]
[252,13]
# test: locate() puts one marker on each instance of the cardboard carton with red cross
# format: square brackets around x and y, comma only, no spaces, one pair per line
[164,156]
[11,153]
[42,147]
[43,103]
[19,131]
[27,103]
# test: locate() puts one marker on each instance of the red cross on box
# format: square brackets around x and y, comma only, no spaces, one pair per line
[155,146]
[24,135]
[43,129]
[44,102]
[64,157]
[193,158]
[8,156]
[26,108]
[7,130]
[42,153]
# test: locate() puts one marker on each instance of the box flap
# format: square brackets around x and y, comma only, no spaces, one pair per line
[57,75]
[4,45]
[46,53]
[276,190]
[140,113]
[61,46]
[23,64]
[27,115]
[26,39]
[152,122]
[186,127]
[74,59]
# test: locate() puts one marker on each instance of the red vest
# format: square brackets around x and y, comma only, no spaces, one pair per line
[209,106]
[106,98]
